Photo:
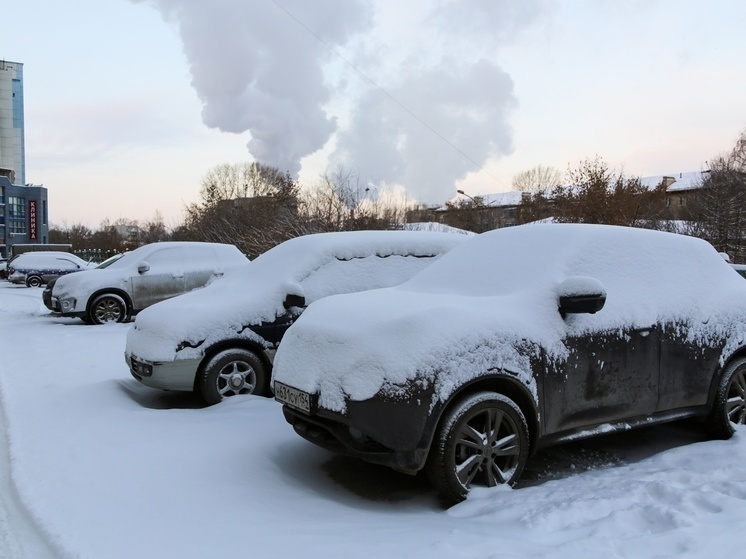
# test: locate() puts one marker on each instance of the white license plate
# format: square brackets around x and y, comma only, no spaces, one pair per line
[293,397]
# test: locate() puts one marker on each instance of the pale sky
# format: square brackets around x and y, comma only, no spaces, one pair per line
[128,103]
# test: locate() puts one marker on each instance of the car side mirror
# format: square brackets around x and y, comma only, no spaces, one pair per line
[292,300]
[581,295]
[142,267]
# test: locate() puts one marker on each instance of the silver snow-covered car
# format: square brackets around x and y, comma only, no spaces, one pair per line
[138,279]
[220,341]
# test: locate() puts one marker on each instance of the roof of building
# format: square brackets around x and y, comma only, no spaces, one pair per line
[681,181]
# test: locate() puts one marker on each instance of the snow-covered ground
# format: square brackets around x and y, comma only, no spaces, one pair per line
[93,465]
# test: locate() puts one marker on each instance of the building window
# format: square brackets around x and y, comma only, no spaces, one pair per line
[682,201]
[17,227]
[17,207]
[16,215]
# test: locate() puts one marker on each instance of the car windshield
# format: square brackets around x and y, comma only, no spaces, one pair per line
[109,261]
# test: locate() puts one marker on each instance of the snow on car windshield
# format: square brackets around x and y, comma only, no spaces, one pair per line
[470,310]
[314,266]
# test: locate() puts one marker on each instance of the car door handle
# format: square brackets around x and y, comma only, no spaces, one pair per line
[177,275]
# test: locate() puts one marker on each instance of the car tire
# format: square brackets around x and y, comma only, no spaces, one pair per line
[465,451]
[107,308]
[729,408]
[34,281]
[231,372]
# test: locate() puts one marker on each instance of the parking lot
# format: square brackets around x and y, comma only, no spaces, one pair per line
[100,466]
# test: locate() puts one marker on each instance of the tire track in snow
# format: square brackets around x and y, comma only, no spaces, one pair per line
[20,538]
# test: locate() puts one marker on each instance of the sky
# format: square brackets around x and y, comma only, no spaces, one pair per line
[129,103]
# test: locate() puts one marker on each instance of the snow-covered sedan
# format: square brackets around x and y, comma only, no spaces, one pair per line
[522,338]
[123,286]
[220,341]
[34,269]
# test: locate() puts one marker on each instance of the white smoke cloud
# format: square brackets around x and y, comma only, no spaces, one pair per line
[461,115]
[257,69]
[422,103]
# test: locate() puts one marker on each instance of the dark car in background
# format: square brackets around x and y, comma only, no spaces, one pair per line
[34,269]
[740,269]
[522,338]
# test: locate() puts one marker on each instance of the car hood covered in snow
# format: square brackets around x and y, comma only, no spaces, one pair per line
[180,328]
[491,302]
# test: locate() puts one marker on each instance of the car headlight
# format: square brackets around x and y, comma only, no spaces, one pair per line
[141,368]
[67,305]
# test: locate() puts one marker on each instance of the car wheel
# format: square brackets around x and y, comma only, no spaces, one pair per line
[482,440]
[729,409]
[107,308]
[231,372]
[33,281]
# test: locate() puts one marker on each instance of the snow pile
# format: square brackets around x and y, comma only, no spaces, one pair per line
[491,302]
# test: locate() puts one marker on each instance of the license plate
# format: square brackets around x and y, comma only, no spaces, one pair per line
[293,397]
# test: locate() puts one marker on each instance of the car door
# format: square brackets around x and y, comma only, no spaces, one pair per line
[63,266]
[161,278]
[687,367]
[200,268]
[607,376]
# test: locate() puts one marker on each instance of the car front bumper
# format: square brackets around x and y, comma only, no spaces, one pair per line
[176,375]
[390,432]
[17,277]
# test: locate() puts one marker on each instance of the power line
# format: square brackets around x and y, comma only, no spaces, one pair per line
[386,93]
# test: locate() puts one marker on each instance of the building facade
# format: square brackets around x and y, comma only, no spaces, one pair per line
[24,215]
[12,129]
[23,207]
[494,211]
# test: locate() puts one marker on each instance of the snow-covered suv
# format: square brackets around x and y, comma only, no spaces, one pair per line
[521,338]
[147,275]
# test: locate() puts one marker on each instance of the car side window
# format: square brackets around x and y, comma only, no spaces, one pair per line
[65,264]
[180,258]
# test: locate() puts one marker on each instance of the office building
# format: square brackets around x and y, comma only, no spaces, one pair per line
[23,207]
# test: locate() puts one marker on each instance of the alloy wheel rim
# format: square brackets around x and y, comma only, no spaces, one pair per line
[108,311]
[736,401]
[487,449]
[236,377]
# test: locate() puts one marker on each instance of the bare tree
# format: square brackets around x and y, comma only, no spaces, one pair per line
[471,214]
[154,230]
[251,205]
[720,208]
[257,207]
[78,235]
[538,178]
[244,180]
[597,194]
